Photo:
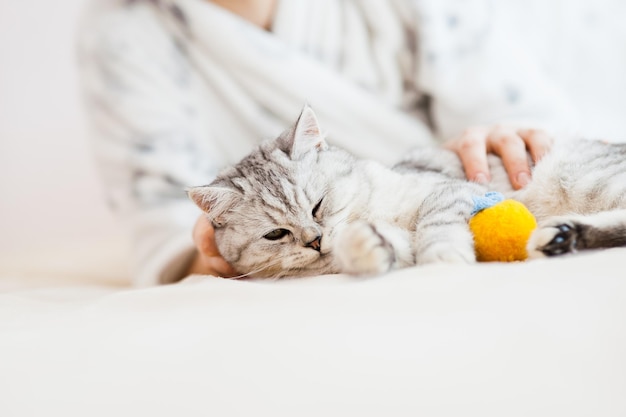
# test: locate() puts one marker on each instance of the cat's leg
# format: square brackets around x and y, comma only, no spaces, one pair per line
[568,234]
[363,248]
[449,241]
[441,230]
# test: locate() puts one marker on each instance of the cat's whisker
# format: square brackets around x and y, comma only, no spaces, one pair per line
[248,274]
[278,275]
[275,277]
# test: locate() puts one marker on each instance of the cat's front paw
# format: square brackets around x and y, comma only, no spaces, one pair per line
[558,237]
[361,250]
[446,253]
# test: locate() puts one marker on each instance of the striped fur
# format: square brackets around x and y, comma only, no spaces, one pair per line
[297,207]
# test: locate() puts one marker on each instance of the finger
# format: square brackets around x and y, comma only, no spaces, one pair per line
[220,267]
[511,148]
[204,237]
[472,150]
[216,266]
[538,142]
[210,259]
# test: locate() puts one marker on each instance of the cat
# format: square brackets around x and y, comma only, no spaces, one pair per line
[296,206]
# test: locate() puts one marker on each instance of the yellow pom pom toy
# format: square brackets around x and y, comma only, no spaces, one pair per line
[501,228]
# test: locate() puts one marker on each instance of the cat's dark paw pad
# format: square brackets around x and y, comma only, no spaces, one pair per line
[361,250]
[557,238]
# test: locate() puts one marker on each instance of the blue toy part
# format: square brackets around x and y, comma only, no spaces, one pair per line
[488,200]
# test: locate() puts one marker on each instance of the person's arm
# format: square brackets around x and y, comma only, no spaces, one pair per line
[150,142]
[489,91]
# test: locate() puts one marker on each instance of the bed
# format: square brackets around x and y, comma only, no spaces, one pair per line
[541,338]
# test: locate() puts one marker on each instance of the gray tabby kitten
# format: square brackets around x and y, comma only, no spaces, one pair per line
[297,207]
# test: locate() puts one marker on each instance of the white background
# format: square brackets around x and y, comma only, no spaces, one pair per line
[49,191]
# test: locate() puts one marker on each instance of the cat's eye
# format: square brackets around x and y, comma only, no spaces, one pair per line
[276,234]
[316,209]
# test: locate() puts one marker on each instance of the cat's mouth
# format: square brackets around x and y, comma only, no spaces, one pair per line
[324,259]
[322,264]
[305,262]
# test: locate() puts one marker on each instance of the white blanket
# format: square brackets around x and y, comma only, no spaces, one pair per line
[543,338]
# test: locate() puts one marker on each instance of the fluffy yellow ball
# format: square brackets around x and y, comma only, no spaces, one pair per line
[502,231]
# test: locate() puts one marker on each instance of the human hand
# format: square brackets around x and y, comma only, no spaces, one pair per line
[510,144]
[208,260]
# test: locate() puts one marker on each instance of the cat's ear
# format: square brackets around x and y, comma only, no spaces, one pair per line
[306,136]
[214,200]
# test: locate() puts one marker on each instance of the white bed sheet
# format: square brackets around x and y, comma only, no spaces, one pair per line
[542,338]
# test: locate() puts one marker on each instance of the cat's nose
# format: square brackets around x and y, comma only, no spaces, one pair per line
[315,243]
[312,237]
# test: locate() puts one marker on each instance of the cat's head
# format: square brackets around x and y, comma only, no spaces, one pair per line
[275,211]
